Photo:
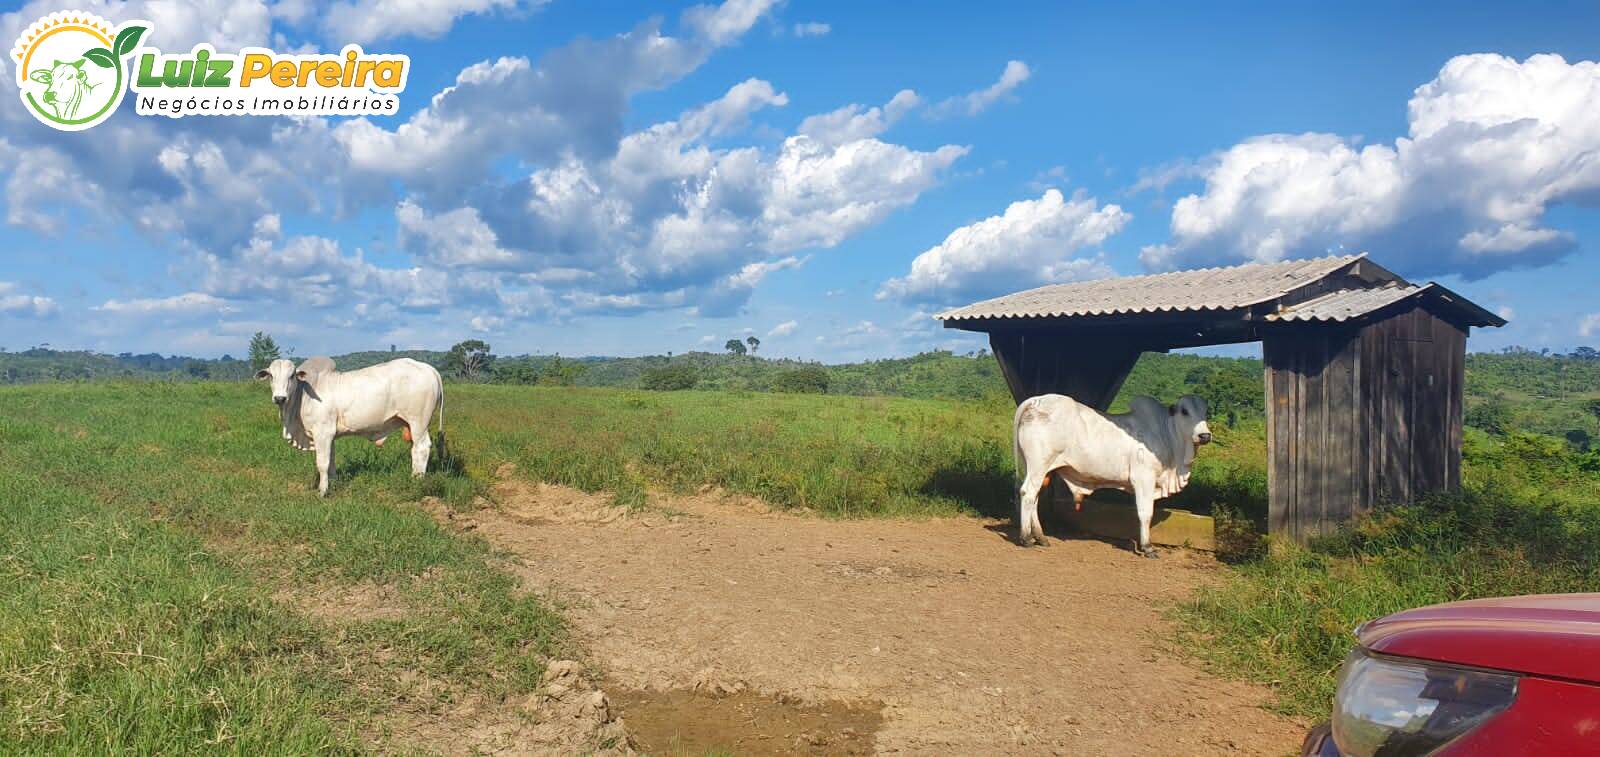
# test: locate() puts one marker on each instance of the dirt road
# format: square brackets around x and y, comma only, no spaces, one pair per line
[723,625]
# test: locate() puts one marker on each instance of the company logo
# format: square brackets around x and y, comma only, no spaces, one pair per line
[70,67]
[73,69]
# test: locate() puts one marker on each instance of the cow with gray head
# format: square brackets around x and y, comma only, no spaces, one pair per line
[317,404]
[66,86]
[1146,452]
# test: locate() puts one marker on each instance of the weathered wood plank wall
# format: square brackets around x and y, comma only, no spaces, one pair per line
[1313,388]
[1359,417]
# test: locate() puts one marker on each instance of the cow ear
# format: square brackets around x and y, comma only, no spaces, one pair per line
[263,373]
[42,76]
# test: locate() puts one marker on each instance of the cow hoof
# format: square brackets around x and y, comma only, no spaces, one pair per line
[1150,553]
[1041,541]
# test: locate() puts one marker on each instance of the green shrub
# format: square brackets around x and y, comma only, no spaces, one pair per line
[1492,414]
[1231,390]
[811,379]
[669,378]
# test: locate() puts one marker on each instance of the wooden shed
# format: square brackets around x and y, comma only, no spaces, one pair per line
[1364,369]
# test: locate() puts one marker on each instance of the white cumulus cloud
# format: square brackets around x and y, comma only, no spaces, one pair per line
[672,218]
[484,324]
[811,29]
[519,191]
[570,103]
[310,272]
[187,304]
[453,238]
[1034,242]
[1493,143]
[783,329]
[14,303]
[366,21]
[971,104]
[853,122]
[726,22]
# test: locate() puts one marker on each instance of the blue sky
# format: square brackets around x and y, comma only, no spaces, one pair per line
[602,178]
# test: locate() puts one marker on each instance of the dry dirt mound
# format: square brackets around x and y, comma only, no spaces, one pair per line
[932,637]
[534,503]
[567,715]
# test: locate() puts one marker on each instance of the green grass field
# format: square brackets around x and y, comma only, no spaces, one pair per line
[154,538]
[146,535]
[841,456]
[837,456]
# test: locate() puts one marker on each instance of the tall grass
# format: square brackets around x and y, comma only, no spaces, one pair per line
[145,530]
[840,456]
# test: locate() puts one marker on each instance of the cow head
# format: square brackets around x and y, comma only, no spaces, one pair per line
[282,375]
[66,84]
[1188,417]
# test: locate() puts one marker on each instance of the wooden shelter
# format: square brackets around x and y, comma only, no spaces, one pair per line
[1363,368]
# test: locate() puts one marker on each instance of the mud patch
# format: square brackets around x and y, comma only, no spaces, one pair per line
[744,722]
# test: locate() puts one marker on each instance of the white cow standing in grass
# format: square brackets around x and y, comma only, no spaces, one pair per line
[318,404]
[1145,452]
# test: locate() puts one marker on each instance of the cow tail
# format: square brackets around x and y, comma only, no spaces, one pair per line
[1016,469]
[443,455]
[1017,473]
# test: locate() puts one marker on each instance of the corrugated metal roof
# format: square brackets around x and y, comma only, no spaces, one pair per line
[1347,304]
[1204,289]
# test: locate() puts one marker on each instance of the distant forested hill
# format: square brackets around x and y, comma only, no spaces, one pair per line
[1556,395]
[39,365]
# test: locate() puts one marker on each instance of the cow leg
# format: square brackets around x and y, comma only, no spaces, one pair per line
[1144,498]
[1028,514]
[421,447]
[324,446]
[1038,525]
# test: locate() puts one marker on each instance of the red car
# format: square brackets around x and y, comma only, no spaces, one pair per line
[1508,676]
